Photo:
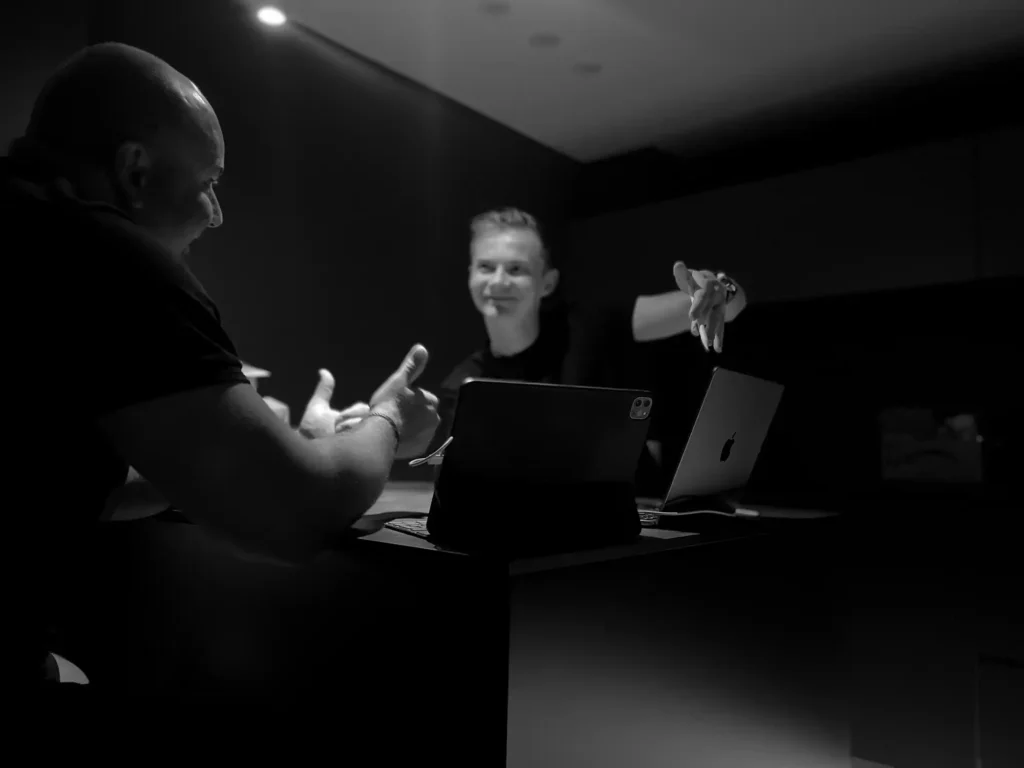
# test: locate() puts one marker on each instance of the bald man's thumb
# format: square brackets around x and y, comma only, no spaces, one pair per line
[414,364]
[325,387]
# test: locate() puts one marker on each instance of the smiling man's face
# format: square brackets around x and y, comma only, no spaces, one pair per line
[508,275]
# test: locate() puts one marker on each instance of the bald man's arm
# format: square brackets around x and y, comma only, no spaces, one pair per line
[220,456]
[138,498]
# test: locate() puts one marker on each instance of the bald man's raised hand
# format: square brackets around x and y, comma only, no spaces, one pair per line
[416,409]
[320,419]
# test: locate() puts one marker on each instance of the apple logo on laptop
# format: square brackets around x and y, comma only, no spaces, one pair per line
[727,448]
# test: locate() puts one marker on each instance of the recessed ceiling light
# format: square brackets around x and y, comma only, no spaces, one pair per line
[271,16]
[587,68]
[496,7]
[544,40]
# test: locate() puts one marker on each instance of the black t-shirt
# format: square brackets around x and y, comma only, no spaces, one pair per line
[592,344]
[585,344]
[98,317]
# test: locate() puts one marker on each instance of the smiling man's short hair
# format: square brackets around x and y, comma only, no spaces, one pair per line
[504,219]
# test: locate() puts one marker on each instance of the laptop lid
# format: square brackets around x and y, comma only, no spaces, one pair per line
[727,435]
[535,468]
[546,434]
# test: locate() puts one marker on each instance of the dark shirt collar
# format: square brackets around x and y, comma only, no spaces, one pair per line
[23,182]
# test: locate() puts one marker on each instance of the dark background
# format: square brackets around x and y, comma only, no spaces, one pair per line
[347,196]
[349,190]
[879,233]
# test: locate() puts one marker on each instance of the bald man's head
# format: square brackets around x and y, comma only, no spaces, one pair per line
[104,96]
[134,132]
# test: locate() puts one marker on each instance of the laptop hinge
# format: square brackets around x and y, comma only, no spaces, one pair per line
[715,503]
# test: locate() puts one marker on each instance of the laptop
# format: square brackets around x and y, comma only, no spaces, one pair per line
[723,446]
[535,468]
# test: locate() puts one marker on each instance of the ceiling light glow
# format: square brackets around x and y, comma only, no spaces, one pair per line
[271,16]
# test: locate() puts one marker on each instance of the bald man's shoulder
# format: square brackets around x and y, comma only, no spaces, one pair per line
[75,240]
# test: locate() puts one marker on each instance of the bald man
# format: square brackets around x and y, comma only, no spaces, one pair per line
[118,358]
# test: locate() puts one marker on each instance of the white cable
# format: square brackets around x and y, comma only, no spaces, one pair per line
[739,512]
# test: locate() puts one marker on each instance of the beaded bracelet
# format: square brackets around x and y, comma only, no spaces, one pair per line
[392,422]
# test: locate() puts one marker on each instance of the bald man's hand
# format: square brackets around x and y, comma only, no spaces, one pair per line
[415,408]
[320,419]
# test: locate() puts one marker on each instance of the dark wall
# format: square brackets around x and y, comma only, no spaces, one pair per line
[941,213]
[857,273]
[349,190]
[347,197]
[934,213]
[858,230]
[897,182]
[34,39]
[964,96]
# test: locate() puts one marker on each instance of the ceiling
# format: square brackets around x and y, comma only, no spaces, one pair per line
[667,69]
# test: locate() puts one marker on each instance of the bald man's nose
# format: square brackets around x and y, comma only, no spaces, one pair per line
[218,215]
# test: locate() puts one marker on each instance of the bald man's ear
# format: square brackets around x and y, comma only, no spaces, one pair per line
[133,166]
[550,283]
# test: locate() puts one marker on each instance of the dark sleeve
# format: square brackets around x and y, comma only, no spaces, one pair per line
[601,351]
[144,329]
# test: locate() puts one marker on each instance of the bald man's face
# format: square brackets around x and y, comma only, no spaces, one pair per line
[171,182]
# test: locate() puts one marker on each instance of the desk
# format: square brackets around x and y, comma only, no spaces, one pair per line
[719,648]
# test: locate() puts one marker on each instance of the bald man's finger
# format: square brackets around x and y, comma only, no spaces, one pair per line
[355,411]
[411,368]
[430,398]
[414,364]
[324,388]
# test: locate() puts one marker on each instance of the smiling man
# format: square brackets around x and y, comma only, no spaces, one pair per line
[512,282]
